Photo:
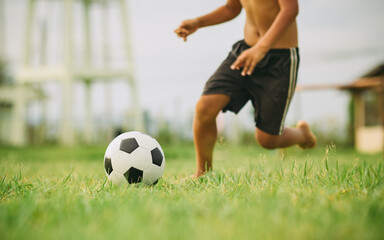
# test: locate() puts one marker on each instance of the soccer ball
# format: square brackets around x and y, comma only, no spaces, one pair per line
[134,157]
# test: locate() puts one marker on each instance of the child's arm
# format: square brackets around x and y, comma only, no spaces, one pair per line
[249,58]
[224,13]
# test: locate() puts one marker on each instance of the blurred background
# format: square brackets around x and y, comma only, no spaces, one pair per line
[82,71]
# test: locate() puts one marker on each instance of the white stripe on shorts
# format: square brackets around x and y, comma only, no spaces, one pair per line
[292,85]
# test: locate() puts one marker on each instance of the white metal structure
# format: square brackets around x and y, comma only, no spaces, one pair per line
[67,72]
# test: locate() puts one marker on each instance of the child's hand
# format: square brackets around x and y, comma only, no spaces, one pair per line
[186,28]
[248,60]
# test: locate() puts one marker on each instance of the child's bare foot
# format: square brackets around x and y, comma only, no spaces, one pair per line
[310,138]
[195,176]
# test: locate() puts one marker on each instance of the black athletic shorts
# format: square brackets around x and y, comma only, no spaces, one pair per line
[270,87]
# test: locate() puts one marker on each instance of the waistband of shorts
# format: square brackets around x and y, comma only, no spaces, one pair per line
[273,50]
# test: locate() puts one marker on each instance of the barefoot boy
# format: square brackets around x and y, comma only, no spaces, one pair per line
[261,68]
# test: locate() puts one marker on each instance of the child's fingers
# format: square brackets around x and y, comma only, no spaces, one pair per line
[178,31]
[181,31]
[246,67]
[251,67]
[238,63]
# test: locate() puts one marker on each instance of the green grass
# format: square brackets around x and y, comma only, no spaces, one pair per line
[62,193]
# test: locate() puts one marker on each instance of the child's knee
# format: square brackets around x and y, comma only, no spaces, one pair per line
[266,141]
[204,111]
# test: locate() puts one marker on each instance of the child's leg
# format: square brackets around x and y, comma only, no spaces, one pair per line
[205,131]
[301,135]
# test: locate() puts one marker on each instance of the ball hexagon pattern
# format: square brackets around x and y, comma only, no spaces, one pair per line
[133,175]
[134,157]
[157,157]
[108,165]
[128,145]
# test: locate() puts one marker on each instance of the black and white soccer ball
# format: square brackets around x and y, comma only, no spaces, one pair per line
[134,157]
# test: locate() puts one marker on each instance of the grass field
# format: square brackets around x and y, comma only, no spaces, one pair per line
[62,193]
